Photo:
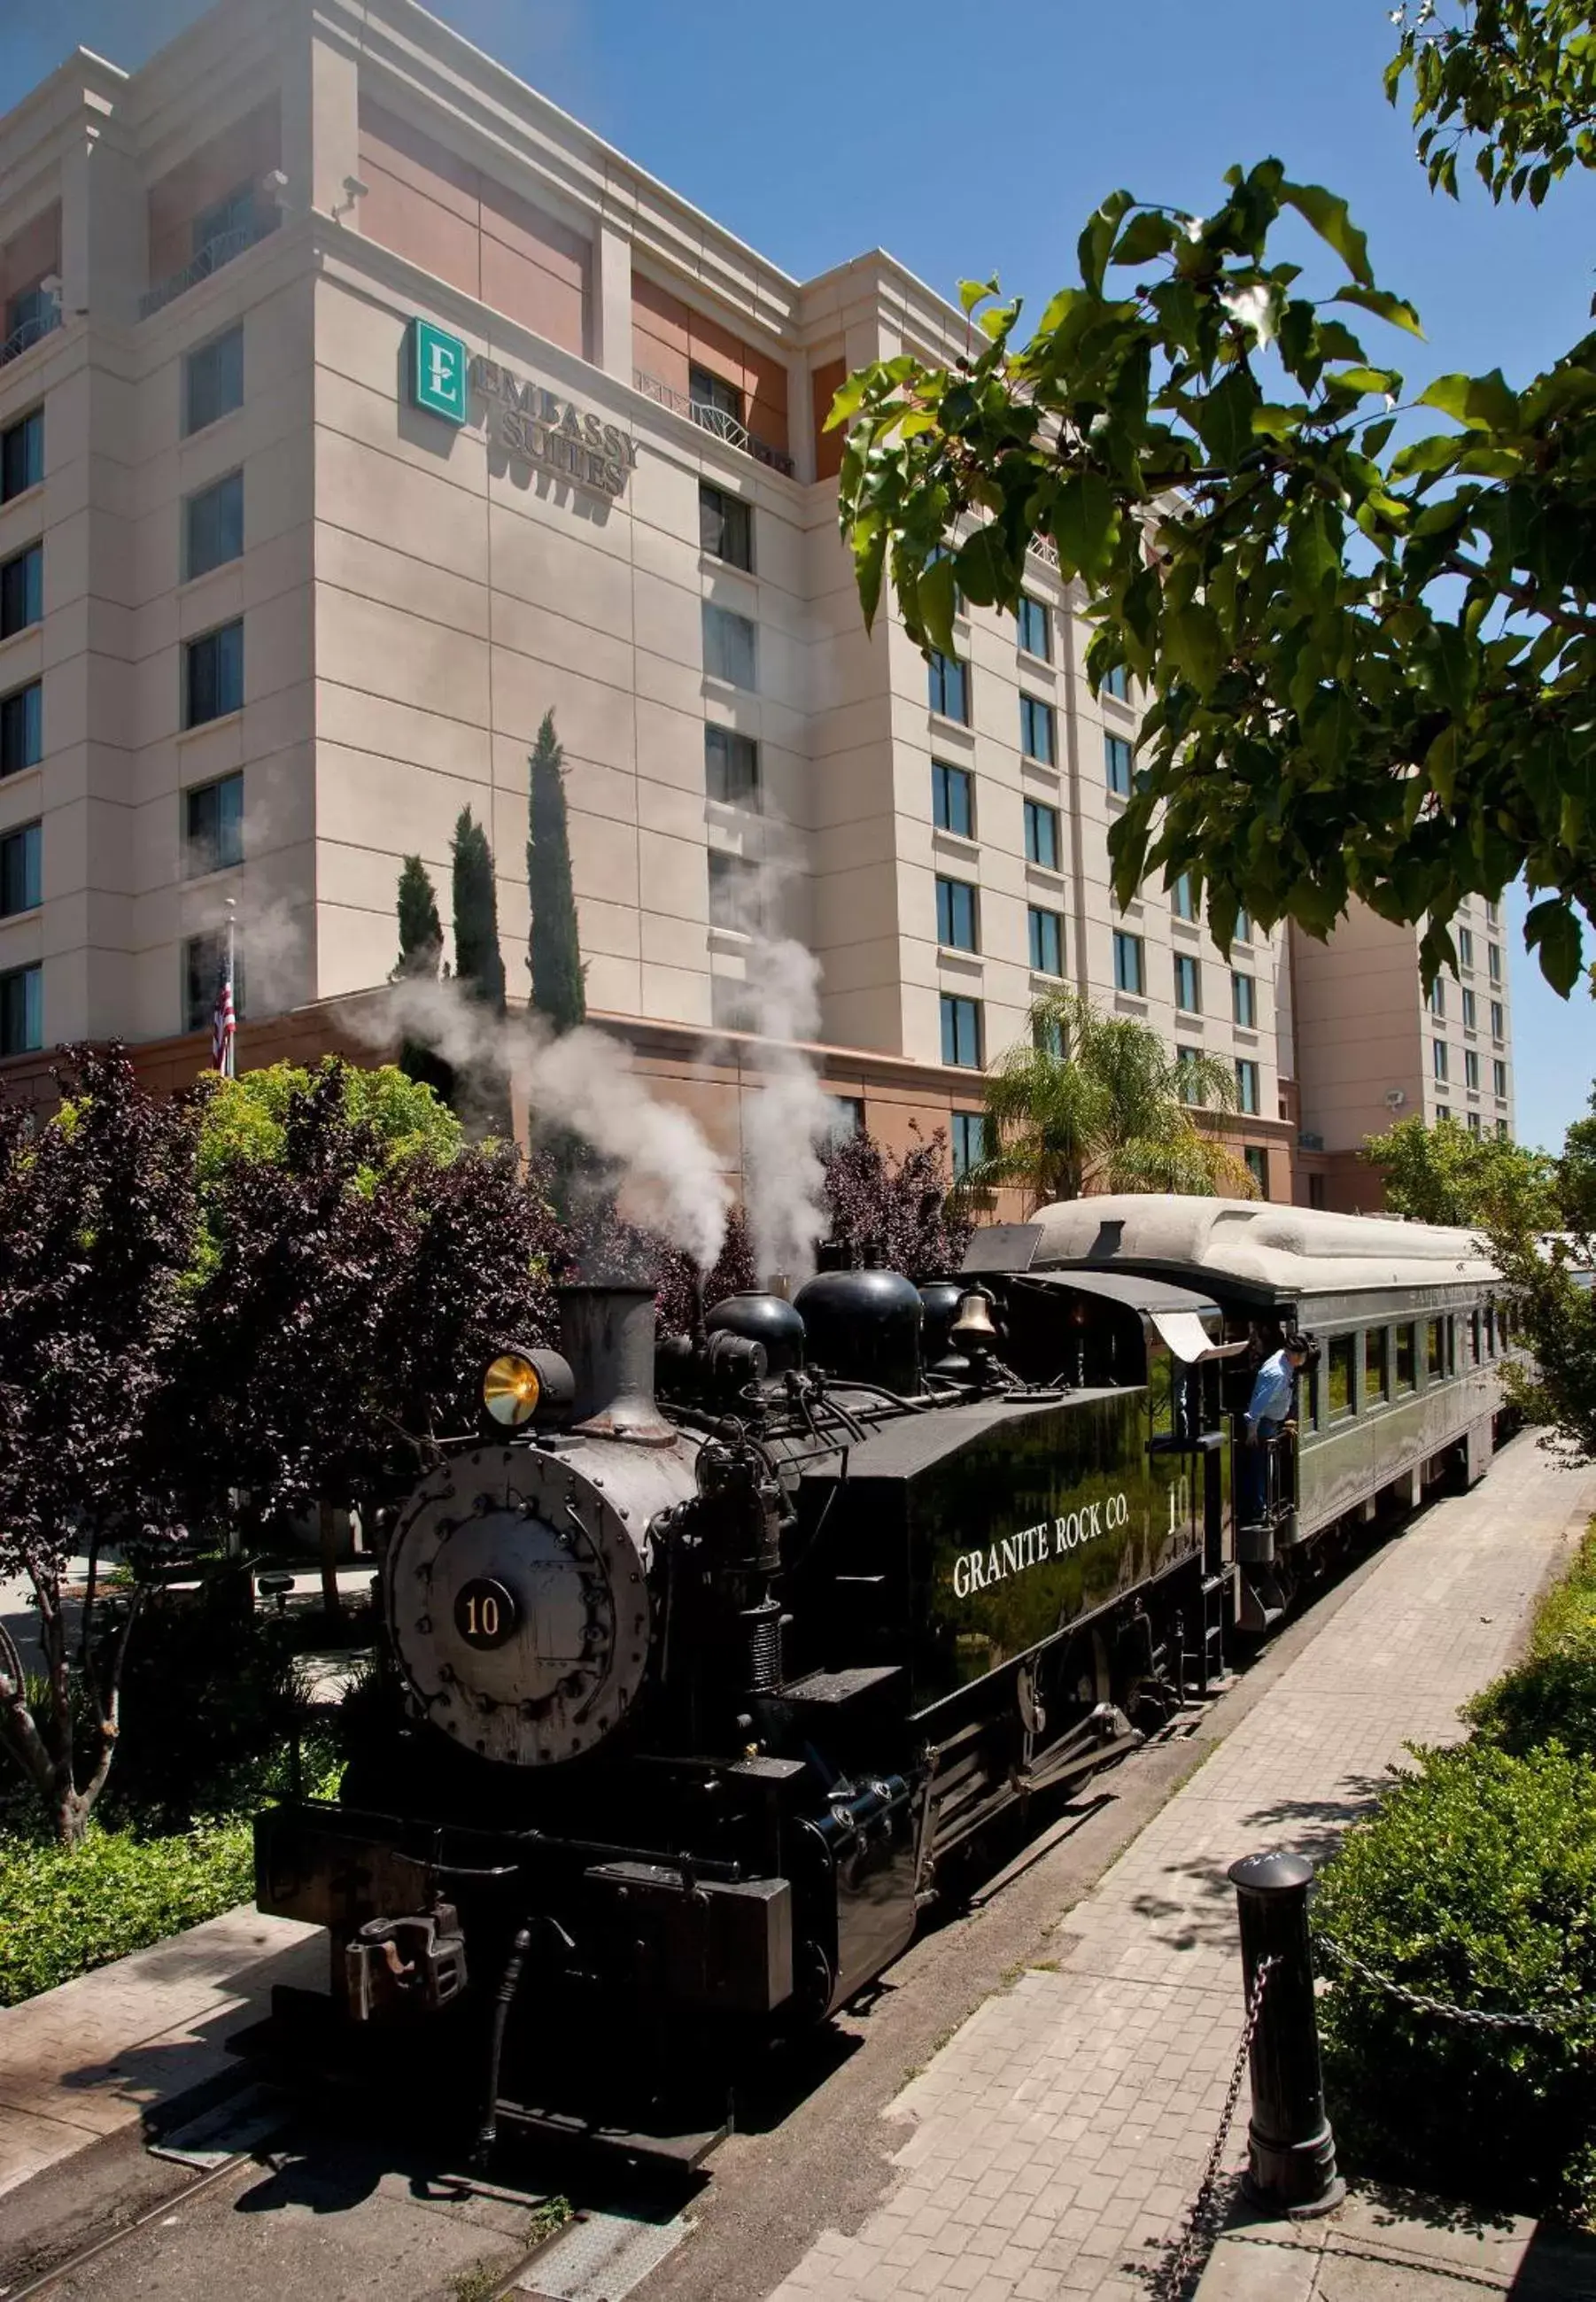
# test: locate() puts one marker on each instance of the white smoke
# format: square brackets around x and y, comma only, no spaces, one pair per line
[789,1115]
[582,1081]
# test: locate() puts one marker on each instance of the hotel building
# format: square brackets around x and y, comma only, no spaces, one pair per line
[359,407]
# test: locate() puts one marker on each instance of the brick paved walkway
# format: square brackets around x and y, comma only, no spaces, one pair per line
[1057,2138]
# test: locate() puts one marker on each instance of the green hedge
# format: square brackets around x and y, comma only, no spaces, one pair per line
[64,1911]
[1475,1884]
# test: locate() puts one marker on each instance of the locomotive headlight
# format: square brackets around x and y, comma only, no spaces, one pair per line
[511,1389]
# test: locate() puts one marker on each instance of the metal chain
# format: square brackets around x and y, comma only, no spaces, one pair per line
[1581,2011]
[1202,2223]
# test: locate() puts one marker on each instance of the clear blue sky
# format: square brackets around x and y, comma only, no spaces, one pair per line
[815,138]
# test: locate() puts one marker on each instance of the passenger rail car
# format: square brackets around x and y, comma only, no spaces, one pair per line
[1409,1333]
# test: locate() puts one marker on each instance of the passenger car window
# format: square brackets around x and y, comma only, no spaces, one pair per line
[1339,1384]
[1407,1353]
[1377,1370]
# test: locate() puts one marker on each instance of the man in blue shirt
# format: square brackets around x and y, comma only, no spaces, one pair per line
[1268,1411]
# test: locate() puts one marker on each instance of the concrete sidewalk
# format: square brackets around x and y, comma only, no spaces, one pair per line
[1389,2245]
[100,2053]
[1052,2146]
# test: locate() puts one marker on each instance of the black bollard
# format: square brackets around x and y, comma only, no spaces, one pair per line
[1291,2154]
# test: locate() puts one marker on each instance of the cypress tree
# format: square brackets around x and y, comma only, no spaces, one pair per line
[479,964]
[482,1100]
[420,954]
[553,951]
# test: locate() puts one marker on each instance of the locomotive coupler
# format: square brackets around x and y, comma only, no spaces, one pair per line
[417,1962]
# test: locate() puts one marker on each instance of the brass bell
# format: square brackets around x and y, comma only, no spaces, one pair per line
[973,1328]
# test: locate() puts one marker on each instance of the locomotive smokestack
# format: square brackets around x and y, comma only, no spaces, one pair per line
[608,1335]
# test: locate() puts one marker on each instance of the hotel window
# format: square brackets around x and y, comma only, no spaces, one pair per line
[1036,729]
[1243,931]
[1376,1364]
[1406,1357]
[968,1145]
[1493,954]
[1501,1131]
[21,728]
[1182,900]
[21,870]
[948,684]
[1247,1086]
[1498,1020]
[1438,998]
[847,1117]
[1474,1122]
[213,674]
[213,380]
[1128,974]
[1470,1010]
[961,1032]
[1466,947]
[22,455]
[1499,1080]
[214,826]
[1316,1191]
[953,794]
[734,893]
[1442,1114]
[725,526]
[214,526]
[204,958]
[1187,1059]
[22,1010]
[956,914]
[22,591]
[1438,1059]
[1035,633]
[1244,1001]
[715,396]
[1047,932]
[1047,1037]
[1493,918]
[1189,983]
[1116,764]
[731,767]
[1041,834]
[729,646]
[1471,1071]
[1117,684]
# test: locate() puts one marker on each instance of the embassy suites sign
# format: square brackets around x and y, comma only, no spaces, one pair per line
[537,426]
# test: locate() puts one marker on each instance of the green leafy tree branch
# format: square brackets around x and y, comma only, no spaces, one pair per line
[1364,655]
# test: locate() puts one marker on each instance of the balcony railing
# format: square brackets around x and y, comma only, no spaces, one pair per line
[1045,548]
[31,331]
[211,258]
[724,425]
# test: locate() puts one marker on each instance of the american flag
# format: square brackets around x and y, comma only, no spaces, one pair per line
[225,1024]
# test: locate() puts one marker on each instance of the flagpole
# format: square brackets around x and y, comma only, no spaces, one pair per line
[229,1057]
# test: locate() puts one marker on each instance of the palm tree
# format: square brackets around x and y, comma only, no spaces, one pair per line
[1097,1102]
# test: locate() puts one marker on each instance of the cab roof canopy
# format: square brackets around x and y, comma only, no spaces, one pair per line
[1267,1252]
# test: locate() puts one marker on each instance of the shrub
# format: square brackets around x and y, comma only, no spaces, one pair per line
[1475,1882]
[1552,1694]
[69,1909]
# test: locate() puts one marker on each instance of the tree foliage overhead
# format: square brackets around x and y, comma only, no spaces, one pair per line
[1095,1102]
[554,952]
[1445,1174]
[1365,655]
[1516,77]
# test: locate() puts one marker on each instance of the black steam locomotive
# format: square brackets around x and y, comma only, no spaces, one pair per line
[705,1669]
